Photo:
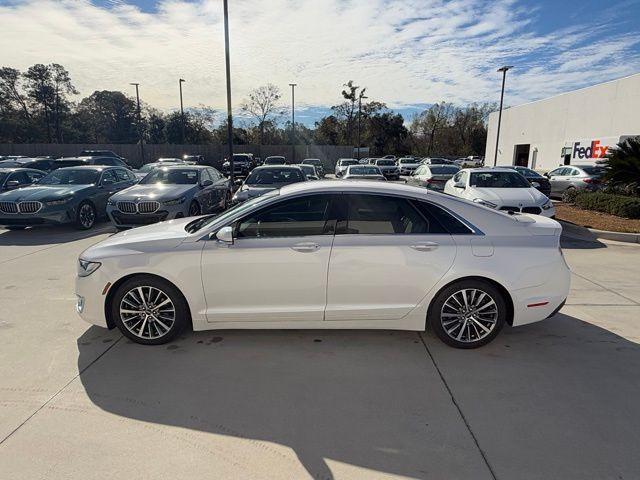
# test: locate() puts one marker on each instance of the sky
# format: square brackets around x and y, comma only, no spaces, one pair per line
[407,53]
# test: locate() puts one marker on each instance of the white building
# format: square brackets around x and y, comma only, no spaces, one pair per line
[572,128]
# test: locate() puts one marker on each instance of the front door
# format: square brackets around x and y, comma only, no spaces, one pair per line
[387,254]
[276,268]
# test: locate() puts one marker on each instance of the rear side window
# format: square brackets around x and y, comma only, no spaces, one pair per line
[302,216]
[122,175]
[447,222]
[368,214]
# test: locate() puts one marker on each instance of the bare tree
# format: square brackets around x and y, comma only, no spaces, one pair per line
[10,90]
[263,105]
[61,87]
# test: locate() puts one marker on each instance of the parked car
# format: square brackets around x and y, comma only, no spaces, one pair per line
[275,160]
[499,189]
[268,178]
[363,172]
[76,195]
[408,165]
[168,192]
[144,170]
[535,179]
[432,177]
[342,164]
[243,163]
[470,162]
[316,162]
[357,255]
[12,178]
[194,159]
[436,161]
[38,163]
[80,161]
[309,171]
[577,177]
[105,153]
[388,168]
[170,160]
[390,157]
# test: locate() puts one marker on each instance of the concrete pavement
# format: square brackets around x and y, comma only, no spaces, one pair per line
[556,399]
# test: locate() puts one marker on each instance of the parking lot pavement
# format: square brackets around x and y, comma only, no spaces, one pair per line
[557,399]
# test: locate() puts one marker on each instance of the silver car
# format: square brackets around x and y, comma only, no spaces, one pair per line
[144,170]
[363,172]
[576,177]
[309,171]
[268,178]
[168,192]
[432,177]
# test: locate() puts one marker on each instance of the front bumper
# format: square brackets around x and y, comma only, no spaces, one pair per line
[91,294]
[46,216]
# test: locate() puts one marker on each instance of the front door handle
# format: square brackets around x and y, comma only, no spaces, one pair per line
[425,247]
[305,247]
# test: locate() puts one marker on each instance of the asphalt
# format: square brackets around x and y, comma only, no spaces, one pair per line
[557,399]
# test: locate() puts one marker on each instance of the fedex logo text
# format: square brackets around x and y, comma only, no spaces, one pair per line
[595,150]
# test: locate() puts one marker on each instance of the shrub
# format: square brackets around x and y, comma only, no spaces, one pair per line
[619,205]
[569,195]
[623,166]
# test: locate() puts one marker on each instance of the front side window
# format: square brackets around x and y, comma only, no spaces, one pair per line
[122,175]
[296,217]
[109,178]
[369,214]
[274,176]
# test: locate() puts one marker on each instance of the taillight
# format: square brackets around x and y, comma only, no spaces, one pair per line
[429,180]
[590,180]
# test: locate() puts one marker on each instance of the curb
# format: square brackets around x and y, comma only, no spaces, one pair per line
[591,234]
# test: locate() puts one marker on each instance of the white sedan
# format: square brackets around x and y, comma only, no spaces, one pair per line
[501,190]
[329,255]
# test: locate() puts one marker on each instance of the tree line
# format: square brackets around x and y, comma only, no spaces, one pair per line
[41,105]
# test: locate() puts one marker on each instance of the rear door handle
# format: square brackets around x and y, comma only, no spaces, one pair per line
[425,247]
[305,247]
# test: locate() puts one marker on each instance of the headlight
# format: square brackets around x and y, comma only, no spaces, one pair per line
[547,205]
[175,201]
[111,203]
[485,203]
[86,268]
[60,201]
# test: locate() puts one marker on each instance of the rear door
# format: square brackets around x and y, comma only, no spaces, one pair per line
[387,254]
[558,180]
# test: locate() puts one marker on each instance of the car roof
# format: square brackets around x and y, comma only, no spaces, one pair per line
[340,186]
[89,167]
[18,169]
[271,167]
[176,166]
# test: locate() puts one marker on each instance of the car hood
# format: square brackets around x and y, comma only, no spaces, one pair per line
[153,192]
[508,196]
[42,192]
[250,191]
[157,236]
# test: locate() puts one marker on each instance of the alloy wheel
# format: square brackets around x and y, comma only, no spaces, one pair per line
[147,312]
[469,315]
[87,216]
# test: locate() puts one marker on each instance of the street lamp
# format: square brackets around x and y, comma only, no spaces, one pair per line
[139,122]
[180,82]
[504,77]
[293,121]
[360,97]
[228,72]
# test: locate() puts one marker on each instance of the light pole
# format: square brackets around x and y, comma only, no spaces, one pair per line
[293,121]
[228,71]
[139,122]
[180,82]
[504,77]
[360,97]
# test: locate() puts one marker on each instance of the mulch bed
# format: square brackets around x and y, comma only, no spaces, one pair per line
[597,220]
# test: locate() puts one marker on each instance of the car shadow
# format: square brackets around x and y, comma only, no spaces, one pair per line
[47,234]
[571,243]
[364,397]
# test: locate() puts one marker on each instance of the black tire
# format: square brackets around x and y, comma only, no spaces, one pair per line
[194,209]
[86,216]
[443,318]
[14,227]
[128,324]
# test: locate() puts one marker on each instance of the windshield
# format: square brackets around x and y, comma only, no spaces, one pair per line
[72,176]
[364,170]
[498,180]
[312,161]
[308,169]
[344,163]
[173,176]
[238,209]
[407,160]
[274,176]
[594,170]
[444,170]
[385,163]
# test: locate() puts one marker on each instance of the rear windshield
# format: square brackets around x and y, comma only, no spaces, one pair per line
[363,170]
[407,160]
[444,170]
[344,163]
[594,170]
[275,161]
[173,176]
[312,161]
[498,180]
[274,176]
[385,163]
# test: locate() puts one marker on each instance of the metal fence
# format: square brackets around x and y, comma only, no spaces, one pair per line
[213,154]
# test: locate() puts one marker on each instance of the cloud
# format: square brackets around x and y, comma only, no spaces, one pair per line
[406,52]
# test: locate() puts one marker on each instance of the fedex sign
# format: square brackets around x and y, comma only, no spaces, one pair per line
[593,150]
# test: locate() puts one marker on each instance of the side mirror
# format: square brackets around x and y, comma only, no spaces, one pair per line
[238,181]
[225,234]
[459,185]
[206,183]
[11,184]
[535,184]
[547,175]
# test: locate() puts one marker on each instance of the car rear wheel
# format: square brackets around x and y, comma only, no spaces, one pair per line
[468,314]
[86,216]
[149,310]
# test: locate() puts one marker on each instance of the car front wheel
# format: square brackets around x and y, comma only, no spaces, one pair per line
[149,310]
[468,314]
[86,216]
